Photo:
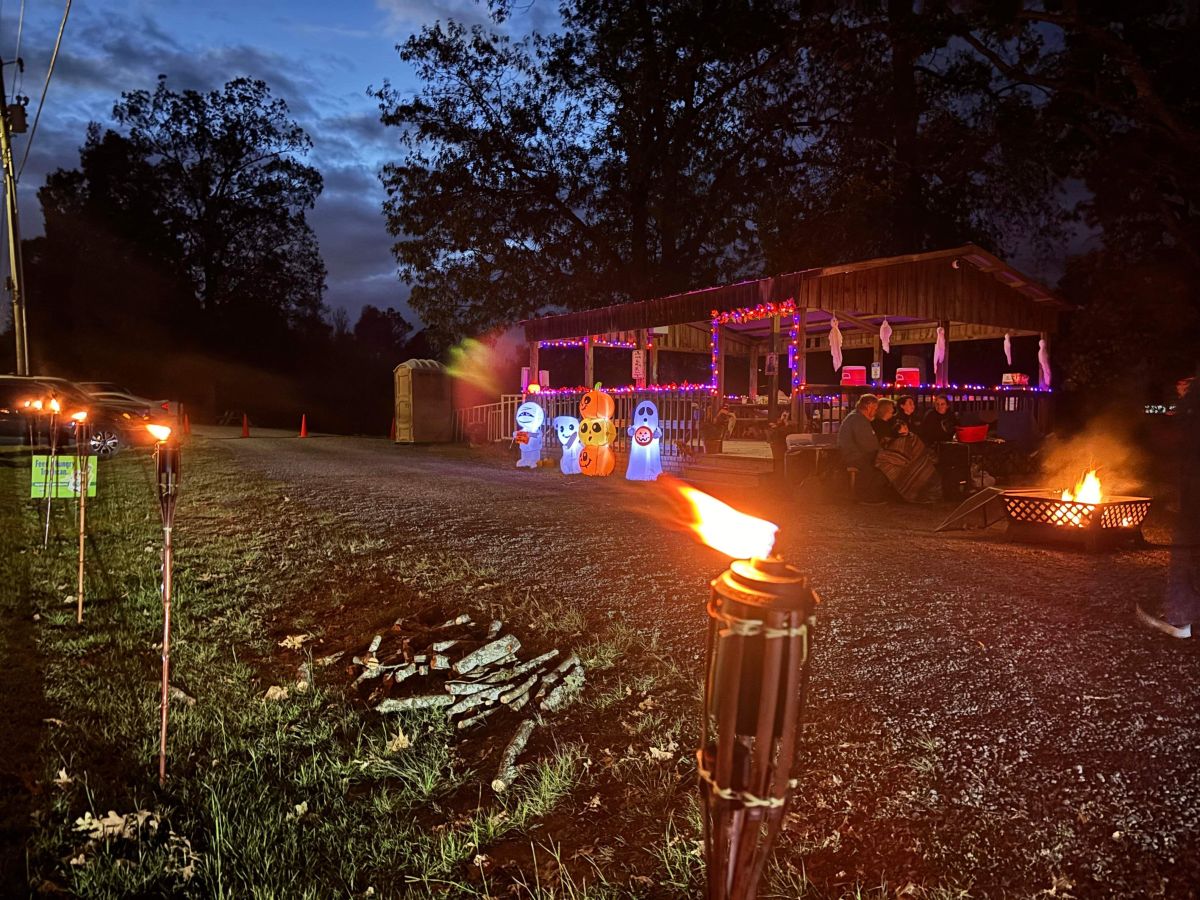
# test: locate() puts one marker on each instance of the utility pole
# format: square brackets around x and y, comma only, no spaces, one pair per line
[16,278]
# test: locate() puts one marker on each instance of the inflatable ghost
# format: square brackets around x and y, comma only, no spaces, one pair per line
[529,434]
[645,460]
[596,458]
[568,435]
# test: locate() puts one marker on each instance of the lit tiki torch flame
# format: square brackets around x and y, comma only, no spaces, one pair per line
[761,616]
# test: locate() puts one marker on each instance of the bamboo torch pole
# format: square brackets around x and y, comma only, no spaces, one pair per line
[166,464]
[82,441]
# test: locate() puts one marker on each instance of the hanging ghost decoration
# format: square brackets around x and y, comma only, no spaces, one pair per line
[835,343]
[885,336]
[529,434]
[1044,363]
[1008,347]
[567,428]
[939,349]
[645,457]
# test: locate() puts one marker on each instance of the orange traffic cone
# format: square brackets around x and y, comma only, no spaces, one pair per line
[304,425]
[187,424]
[245,425]
[392,430]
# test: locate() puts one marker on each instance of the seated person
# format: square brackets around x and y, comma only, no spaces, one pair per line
[859,447]
[939,423]
[886,423]
[906,413]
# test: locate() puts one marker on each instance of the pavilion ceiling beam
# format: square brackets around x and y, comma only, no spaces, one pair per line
[853,320]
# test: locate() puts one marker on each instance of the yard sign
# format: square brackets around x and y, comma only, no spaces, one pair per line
[63,481]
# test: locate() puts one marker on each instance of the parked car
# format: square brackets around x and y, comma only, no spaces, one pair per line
[25,418]
[109,391]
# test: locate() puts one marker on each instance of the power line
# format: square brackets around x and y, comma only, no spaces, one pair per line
[45,86]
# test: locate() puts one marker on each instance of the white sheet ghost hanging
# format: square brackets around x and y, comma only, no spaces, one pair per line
[1008,347]
[885,336]
[939,349]
[835,343]
[1044,363]
[529,434]
[645,457]
[567,428]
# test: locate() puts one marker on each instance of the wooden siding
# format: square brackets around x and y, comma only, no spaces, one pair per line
[964,285]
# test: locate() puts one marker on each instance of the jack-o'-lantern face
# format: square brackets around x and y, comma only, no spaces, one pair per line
[596,404]
[567,428]
[530,417]
[597,461]
[597,432]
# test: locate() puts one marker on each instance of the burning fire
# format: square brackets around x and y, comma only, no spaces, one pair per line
[726,530]
[1087,489]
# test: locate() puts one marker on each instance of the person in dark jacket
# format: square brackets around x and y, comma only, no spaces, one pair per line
[906,413]
[938,424]
[885,423]
[859,447]
[1178,615]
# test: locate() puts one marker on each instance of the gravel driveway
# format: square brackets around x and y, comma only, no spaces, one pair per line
[982,714]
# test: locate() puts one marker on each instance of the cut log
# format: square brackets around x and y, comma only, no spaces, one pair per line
[375,642]
[565,692]
[461,619]
[442,646]
[523,688]
[507,773]
[475,720]
[439,662]
[424,701]
[519,670]
[488,654]
[494,628]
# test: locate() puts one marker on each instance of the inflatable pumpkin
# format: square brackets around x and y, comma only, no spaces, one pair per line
[597,432]
[597,461]
[596,404]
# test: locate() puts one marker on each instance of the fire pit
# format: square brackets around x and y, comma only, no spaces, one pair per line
[1084,516]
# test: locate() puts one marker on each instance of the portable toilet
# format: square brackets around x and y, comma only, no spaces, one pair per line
[424,403]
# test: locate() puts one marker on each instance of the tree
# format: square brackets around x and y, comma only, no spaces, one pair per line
[653,147]
[382,334]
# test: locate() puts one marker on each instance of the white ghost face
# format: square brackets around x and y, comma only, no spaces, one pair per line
[567,428]
[645,413]
[530,417]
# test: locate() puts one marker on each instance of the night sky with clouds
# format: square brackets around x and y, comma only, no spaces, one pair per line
[320,57]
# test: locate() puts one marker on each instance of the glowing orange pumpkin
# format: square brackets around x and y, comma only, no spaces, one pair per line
[597,461]
[596,404]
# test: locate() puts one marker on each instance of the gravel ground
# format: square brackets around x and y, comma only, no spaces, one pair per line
[982,714]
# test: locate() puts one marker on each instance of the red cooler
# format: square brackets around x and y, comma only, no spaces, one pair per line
[854,374]
[908,378]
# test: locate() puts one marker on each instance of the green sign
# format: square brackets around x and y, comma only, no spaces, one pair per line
[63,480]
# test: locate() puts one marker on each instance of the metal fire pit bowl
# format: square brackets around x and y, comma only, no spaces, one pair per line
[1042,517]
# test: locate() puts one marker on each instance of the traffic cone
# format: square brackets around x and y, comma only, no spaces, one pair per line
[392,430]
[304,425]
[245,425]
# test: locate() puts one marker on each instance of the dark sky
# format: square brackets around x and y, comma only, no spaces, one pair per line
[318,56]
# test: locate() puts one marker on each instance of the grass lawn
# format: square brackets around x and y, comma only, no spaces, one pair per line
[308,796]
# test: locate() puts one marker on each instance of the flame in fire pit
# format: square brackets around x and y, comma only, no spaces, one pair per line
[1087,489]
[726,530]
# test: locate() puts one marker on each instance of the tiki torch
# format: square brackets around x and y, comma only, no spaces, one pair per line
[166,465]
[761,616]
[82,442]
[51,480]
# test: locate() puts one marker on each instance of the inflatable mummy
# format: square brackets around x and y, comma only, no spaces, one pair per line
[645,458]
[529,434]
[567,428]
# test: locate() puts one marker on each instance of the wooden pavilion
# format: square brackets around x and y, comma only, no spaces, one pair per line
[778,323]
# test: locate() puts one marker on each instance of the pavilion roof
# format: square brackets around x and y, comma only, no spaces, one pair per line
[963,284]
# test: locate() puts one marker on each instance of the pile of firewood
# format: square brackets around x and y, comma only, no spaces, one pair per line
[468,672]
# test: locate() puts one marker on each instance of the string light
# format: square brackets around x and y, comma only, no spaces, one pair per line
[576,342]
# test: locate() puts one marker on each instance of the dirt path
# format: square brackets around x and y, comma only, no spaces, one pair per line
[980,710]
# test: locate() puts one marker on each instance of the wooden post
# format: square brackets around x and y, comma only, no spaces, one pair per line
[773,378]
[643,338]
[800,373]
[652,360]
[589,364]
[722,343]
[941,374]
[754,371]
[877,360]
[533,363]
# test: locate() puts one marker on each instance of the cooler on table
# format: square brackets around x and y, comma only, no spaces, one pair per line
[854,374]
[908,378]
